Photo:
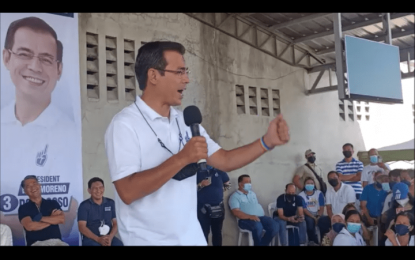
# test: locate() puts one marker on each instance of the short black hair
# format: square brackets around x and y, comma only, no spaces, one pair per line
[28,177]
[395,173]
[331,172]
[307,179]
[240,178]
[151,55]
[348,144]
[37,25]
[286,186]
[94,180]
[352,212]
[347,207]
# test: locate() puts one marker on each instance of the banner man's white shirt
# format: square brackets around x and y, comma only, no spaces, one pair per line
[168,216]
[48,148]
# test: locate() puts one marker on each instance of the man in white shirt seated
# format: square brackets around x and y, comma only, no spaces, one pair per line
[338,196]
[374,166]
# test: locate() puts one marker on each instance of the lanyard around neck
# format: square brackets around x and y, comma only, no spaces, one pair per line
[158,139]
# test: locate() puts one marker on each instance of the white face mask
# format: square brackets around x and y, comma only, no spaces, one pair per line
[403,202]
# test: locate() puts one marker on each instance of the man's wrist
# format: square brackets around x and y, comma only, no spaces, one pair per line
[264,140]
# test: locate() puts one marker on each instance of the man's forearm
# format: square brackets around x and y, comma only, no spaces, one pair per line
[350,177]
[88,233]
[239,214]
[36,226]
[141,184]
[53,220]
[113,230]
[236,158]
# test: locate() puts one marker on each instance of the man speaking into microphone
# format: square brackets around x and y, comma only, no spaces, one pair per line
[152,161]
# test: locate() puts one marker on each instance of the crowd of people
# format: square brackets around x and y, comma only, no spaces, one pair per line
[363,205]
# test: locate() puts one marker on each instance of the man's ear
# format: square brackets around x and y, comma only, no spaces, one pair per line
[89,191]
[410,228]
[60,68]
[6,58]
[152,76]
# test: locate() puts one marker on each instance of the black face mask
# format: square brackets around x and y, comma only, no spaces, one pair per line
[347,154]
[311,159]
[289,197]
[334,182]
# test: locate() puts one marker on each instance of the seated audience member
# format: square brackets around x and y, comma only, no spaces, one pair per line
[40,217]
[394,177]
[314,208]
[402,231]
[5,235]
[364,232]
[372,199]
[374,166]
[401,198]
[289,211]
[337,224]
[338,195]
[244,206]
[407,177]
[349,235]
[96,217]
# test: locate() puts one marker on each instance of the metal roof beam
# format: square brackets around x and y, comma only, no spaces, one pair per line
[298,20]
[349,27]
[374,38]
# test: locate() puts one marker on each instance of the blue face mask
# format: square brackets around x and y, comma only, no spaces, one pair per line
[353,227]
[309,187]
[386,187]
[374,159]
[401,230]
[337,227]
[247,186]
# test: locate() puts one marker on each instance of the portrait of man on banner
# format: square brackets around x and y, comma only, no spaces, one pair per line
[40,116]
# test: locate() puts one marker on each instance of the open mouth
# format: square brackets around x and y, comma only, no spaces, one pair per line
[34,80]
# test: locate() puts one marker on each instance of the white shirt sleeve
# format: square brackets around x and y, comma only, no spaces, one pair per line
[5,235]
[342,240]
[386,205]
[212,145]
[365,176]
[123,150]
[328,198]
[350,194]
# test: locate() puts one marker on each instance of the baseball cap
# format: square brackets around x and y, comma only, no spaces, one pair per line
[309,152]
[400,191]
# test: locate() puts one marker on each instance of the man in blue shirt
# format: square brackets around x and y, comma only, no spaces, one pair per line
[350,171]
[96,217]
[245,207]
[290,211]
[373,198]
[210,209]
[40,218]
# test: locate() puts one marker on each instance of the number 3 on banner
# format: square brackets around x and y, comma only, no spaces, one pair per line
[8,202]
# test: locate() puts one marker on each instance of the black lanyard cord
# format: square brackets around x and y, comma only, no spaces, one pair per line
[161,143]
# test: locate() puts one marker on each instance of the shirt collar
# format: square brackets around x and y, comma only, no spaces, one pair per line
[241,193]
[47,118]
[150,113]
[353,160]
[104,200]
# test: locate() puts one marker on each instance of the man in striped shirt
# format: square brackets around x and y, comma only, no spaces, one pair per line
[350,171]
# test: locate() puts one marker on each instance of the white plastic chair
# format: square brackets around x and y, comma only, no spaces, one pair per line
[241,232]
[375,234]
[271,209]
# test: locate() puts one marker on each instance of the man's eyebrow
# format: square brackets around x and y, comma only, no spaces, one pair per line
[181,68]
[24,49]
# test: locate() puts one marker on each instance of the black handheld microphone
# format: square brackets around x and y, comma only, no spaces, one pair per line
[192,118]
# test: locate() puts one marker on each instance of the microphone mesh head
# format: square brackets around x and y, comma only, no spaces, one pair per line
[192,115]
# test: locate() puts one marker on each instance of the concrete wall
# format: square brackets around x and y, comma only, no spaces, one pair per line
[218,63]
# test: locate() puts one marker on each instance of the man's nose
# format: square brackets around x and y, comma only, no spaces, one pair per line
[35,65]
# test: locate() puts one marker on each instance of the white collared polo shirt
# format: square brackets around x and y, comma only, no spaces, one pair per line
[49,148]
[339,199]
[168,216]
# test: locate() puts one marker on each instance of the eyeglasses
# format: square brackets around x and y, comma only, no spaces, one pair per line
[44,59]
[180,72]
